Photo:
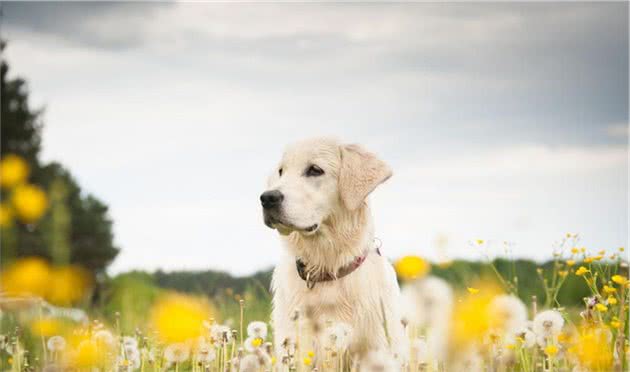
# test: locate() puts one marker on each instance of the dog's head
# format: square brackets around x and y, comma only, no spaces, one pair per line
[317,178]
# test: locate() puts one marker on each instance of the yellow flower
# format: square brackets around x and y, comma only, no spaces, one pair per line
[575,250]
[597,258]
[582,249]
[479,241]
[601,308]
[593,349]
[28,276]
[621,249]
[46,327]
[612,300]
[257,342]
[178,318]
[570,263]
[563,273]
[588,260]
[307,361]
[472,317]
[13,171]
[619,279]
[510,346]
[30,203]
[87,354]
[615,323]
[412,267]
[472,290]
[551,350]
[68,285]
[608,289]
[562,337]
[6,215]
[581,271]
[602,252]
[310,354]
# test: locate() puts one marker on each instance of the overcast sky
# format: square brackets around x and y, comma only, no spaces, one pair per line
[502,122]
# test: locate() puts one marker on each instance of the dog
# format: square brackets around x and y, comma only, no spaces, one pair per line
[333,271]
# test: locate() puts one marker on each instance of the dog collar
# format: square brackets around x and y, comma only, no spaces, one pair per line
[326,277]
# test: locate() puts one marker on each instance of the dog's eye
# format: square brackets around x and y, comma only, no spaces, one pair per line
[313,171]
[280,172]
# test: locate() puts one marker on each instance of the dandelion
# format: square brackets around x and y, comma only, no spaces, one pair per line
[177,353]
[472,290]
[508,312]
[307,361]
[608,289]
[551,350]
[45,327]
[220,333]
[379,360]
[103,337]
[86,354]
[411,267]
[257,329]
[615,323]
[205,353]
[575,250]
[129,341]
[563,273]
[13,171]
[28,276]
[619,279]
[593,349]
[6,215]
[582,270]
[547,325]
[56,344]
[253,343]
[611,300]
[178,318]
[338,336]
[526,337]
[601,308]
[249,363]
[67,285]
[30,203]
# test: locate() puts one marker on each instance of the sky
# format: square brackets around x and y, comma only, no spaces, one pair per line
[503,122]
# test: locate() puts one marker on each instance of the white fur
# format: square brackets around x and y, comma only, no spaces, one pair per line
[344,232]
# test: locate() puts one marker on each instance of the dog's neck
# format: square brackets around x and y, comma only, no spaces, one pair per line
[344,236]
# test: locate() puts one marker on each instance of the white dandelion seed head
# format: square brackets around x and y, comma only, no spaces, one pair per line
[338,336]
[257,329]
[176,353]
[56,343]
[130,341]
[220,333]
[527,336]
[548,323]
[427,301]
[104,337]
[205,353]
[509,312]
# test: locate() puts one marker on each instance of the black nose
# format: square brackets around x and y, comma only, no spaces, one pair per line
[271,199]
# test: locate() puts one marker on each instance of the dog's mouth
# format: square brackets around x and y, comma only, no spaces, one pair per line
[286,228]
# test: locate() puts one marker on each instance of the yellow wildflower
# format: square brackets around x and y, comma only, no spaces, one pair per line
[472,290]
[178,318]
[46,327]
[257,342]
[575,250]
[582,249]
[310,354]
[68,285]
[570,263]
[562,337]
[581,271]
[87,354]
[601,308]
[563,273]
[510,346]
[551,350]
[28,276]
[621,249]
[593,349]
[602,252]
[412,267]
[588,260]
[472,316]
[30,203]
[307,361]
[13,171]
[608,289]
[619,279]
[597,258]
[6,215]
[615,323]
[611,300]
[479,241]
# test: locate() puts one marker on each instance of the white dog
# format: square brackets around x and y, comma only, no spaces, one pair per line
[333,272]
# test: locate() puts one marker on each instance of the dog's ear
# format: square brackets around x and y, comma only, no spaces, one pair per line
[360,173]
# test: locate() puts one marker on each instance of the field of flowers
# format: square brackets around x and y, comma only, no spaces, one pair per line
[49,320]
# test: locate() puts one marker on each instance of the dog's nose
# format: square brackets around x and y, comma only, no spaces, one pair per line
[271,199]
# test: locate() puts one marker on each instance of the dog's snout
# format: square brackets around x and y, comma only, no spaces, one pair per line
[271,199]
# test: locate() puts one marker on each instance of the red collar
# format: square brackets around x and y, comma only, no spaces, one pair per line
[326,277]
